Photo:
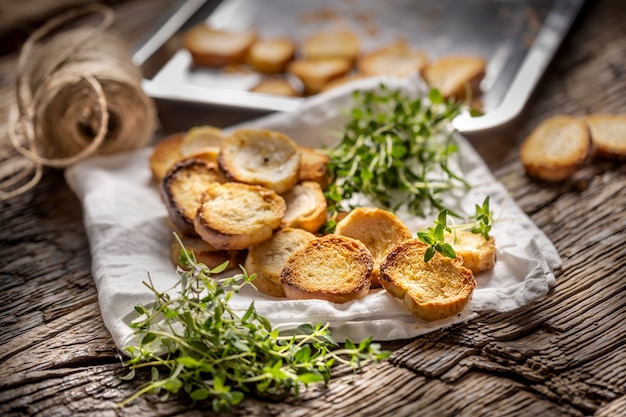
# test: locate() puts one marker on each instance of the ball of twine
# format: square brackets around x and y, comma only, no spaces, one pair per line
[77,94]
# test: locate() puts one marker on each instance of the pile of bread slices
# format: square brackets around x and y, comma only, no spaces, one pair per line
[256,198]
[325,59]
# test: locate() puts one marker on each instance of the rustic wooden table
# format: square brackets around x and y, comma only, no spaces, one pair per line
[563,355]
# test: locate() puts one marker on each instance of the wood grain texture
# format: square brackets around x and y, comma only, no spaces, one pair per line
[564,355]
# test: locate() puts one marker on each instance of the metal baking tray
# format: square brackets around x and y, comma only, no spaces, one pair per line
[518,38]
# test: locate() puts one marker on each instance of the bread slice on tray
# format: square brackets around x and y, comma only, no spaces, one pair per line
[182,189]
[608,133]
[306,207]
[216,48]
[556,148]
[333,268]
[275,87]
[478,254]
[271,56]
[378,229]
[432,290]
[315,74]
[262,157]
[456,76]
[268,258]
[235,216]
[393,59]
[342,44]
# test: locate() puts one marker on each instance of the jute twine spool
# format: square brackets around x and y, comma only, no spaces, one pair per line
[77,94]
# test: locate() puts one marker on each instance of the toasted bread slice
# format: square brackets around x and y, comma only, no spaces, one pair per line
[477,253]
[268,258]
[333,268]
[275,87]
[262,157]
[306,207]
[316,73]
[206,253]
[217,48]
[235,216]
[342,44]
[313,166]
[556,148]
[393,59]
[263,284]
[343,80]
[202,142]
[271,56]
[165,154]
[608,134]
[182,189]
[378,229]
[432,290]
[456,75]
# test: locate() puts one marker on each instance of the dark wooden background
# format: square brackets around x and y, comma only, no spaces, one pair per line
[564,355]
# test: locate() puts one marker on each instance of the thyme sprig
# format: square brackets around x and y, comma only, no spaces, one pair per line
[393,146]
[195,344]
[434,236]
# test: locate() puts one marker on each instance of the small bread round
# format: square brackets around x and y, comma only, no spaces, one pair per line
[556,148]
[456,75]
[314,166]
[315,74]
[432,290]
[263,284]
[275,87]
[268,258]
[608,133]
[306,207]
[261,157]
[333,268]
[342,44]
[394,59]
[202,142]
[165,154]
[217,48]
[182,189]
[206,254]
[380,230]
[235,216]
[478,254]
[271,56]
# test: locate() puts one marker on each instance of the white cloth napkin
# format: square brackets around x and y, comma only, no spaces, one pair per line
[129,236]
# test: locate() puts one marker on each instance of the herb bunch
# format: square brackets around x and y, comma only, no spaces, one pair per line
[434,236]
[394,145]
[196,344]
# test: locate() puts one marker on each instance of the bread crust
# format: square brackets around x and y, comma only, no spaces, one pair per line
[182,189]
[332,268]
[433,290]
[306,207]
[261,157]
[313,166]
[608,134]
[380,231]
[202,142]
[235,216]
[262,283]
[556,148]
[217,48]
[165,154]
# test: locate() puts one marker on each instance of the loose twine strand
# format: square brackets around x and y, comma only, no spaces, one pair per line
[76,95]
